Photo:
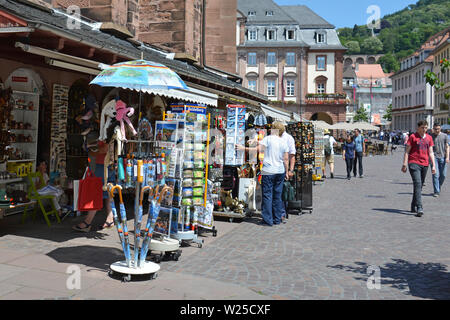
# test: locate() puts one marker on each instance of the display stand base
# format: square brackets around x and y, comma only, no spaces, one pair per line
[188,237]
[122,268]
[167,247]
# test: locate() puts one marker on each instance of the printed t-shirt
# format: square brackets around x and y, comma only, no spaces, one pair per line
[420,147]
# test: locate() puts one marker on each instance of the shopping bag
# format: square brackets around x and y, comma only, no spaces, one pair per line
[90,193]
[288,192]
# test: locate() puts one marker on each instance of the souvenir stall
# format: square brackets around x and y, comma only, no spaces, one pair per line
[144,164]
[19,115]
[303,134]
[319,153]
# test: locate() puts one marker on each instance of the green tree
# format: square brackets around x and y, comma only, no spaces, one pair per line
[389,63]
[353,47]
[361,115]
[388,115]
[372,45]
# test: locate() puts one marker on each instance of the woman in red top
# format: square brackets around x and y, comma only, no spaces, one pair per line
[85,226]
[418,155]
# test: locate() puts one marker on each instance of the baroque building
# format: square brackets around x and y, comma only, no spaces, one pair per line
[293,56]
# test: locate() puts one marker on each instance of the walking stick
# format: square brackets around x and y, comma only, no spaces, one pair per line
[137,231]
[123,214]
[153,213]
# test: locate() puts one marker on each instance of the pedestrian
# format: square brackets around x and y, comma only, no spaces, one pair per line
[441,155]
[274,172]
[329,143]
[418,155]
[348,154]
[290,142]
[360,146]
[100,155]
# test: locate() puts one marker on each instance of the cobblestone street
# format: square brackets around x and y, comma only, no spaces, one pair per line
[355,225]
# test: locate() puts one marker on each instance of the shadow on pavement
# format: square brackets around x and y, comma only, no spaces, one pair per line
[423,280]
[91,256]
[405,212]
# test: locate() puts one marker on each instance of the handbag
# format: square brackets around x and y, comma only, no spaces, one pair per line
[288,192]
[90,193]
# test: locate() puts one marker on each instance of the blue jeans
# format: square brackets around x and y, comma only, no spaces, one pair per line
[441,173]
[272,204]
[418,174]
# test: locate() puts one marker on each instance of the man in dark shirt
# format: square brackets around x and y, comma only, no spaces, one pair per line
[441,155]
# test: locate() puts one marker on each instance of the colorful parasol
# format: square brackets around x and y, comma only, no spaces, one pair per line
[140,75]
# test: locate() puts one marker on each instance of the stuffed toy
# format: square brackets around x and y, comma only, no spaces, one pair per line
[122,114]
[89,118]
[108,113]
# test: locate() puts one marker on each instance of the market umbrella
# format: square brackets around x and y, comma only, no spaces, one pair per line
[320,124]
[342,126]
[365,126]
[140,75]
[445,127]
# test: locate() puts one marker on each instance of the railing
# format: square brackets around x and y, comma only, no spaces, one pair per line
[326,98]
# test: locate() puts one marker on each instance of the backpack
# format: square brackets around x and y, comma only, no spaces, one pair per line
[327,146]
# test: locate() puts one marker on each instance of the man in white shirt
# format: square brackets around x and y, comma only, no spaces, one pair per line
[329,142]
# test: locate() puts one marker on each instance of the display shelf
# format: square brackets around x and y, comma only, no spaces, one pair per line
[6,181]
[22,160]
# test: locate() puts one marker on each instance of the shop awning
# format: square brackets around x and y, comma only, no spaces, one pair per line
[190,95]
[276,113]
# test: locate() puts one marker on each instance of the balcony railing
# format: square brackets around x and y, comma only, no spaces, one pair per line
[326,98]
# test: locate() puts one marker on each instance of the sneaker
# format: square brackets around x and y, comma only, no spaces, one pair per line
[361,176]
[332,176]
[419,212]
[348,178]
[413,209]
[436,195]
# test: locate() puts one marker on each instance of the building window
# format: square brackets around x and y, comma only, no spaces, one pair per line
[290,59]
[290,88]
[271,85]
[269,13]
[320,87]
[252,35]
[321,63]
[252,84]
[251,59]
[252,13]
[270,34]
[290,35]
[320,37]
[271,59]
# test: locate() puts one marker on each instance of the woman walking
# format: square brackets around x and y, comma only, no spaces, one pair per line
[274,172]
[348,154]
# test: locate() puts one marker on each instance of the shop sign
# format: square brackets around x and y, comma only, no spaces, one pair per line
[189,108]
[19,79]
[8,21]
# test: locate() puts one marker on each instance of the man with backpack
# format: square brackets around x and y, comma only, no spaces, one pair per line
[329,142]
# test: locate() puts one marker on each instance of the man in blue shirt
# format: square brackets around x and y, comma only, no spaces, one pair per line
[360,150]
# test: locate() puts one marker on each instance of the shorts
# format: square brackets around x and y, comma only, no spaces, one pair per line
[99,172]
[329,159]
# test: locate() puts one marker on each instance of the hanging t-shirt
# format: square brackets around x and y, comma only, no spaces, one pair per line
[420,147]
[274,155]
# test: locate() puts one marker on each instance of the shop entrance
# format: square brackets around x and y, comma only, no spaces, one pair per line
[322,116]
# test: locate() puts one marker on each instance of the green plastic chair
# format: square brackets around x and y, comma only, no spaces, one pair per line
[38,199]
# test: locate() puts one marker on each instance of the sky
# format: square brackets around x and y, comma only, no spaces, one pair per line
[347,13]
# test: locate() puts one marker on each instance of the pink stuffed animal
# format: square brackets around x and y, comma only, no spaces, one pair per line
[122,113]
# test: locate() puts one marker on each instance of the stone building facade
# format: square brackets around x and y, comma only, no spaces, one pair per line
[291,53]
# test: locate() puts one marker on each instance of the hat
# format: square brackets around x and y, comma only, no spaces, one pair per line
[326,131]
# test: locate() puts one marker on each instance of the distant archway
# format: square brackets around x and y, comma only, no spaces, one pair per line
[360,61]
[348,62]
[371,60]
[322,116]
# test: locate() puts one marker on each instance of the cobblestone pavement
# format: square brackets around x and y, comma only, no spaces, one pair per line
[356,226]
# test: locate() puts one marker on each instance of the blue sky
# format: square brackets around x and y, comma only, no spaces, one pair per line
[347,13]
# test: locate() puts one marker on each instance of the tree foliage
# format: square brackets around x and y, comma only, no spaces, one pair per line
[361,115]
[402,32]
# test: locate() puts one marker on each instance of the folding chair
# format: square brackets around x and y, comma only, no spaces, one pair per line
[38,200]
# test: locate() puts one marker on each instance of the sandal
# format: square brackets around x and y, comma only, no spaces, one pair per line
[85,229]
[107,225]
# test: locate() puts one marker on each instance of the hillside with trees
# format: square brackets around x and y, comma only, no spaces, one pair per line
[400,33]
